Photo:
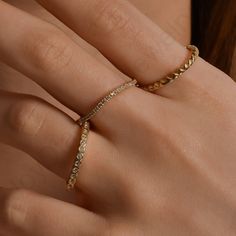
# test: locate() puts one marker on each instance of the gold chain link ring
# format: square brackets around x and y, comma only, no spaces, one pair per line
[172,77]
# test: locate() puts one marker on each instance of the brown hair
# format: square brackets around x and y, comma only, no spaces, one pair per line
[214,31]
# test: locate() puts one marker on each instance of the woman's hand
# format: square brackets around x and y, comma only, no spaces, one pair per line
[160,164]
[32,175]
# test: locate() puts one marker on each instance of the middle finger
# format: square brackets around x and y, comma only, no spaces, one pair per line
[43,53]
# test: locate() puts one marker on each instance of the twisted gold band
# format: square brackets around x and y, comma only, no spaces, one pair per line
[106,99]
[172,77]
[80,155]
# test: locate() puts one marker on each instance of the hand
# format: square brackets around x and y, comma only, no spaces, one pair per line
[155,164]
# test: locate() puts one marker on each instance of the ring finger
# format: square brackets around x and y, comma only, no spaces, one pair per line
[52,138]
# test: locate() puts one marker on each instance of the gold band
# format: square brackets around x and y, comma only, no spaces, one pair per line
[172,77]
[80,155]
[106,99]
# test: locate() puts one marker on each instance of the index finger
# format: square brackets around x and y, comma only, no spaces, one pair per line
[136,45]
[46,55]
[124,35]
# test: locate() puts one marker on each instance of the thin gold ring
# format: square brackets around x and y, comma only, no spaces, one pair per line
[172,77]
[106,99]
[79,157]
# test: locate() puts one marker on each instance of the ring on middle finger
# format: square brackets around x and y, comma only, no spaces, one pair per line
[105,100]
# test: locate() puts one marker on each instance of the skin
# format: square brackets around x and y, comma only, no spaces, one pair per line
[156,164]
[32,175]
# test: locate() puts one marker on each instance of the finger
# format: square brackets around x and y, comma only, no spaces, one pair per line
[26,213]
[52,138]
[46,55]
[129,39]
[26,121]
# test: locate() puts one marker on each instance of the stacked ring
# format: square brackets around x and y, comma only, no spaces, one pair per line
[172,77]
[84,121]
[80,155]
[106,99]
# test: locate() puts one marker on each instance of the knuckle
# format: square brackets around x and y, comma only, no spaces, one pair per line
[111,17]
[16,208]
[49,50]
[25,117]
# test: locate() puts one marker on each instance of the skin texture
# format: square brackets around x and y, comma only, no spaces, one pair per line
[161,164]
[32,175]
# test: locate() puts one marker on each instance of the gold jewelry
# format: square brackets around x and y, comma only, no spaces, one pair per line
[80,155]
[106,99]
[172,77]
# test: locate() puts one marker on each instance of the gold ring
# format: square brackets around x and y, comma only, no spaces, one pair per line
[172,77]
[105,100]
[79,157]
